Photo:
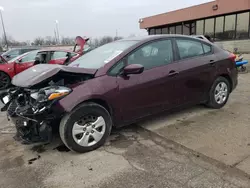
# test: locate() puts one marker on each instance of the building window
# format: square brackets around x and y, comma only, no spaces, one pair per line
[219,26]
[165,30]
[200,27]
[229,32]
[186,29]
[242,26]
[172,30]
[192,25]
[158,31]
[151,31]
[179,29]
[209,27]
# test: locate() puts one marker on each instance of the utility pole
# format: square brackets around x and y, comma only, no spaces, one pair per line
[55,36]
[5,37]
[57,30]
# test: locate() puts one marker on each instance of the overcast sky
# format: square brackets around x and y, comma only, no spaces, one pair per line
[26,19]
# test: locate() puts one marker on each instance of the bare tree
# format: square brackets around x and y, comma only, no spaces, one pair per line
[117,38]
[39,41]
[67,41]
[49,40]
[105,40]
[94,43]
[11,42]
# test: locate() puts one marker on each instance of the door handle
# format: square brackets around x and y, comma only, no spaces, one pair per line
[212,63]
[172,73]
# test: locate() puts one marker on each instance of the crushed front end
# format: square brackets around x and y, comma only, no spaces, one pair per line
[34,112]
[33,105]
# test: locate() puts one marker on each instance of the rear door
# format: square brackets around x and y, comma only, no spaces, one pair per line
[57,57]
[196,68]
[151,91]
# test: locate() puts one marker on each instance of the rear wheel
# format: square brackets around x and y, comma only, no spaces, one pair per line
[4,80]
[85,128]
[219,93]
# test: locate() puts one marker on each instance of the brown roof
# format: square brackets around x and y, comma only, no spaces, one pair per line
[196,12]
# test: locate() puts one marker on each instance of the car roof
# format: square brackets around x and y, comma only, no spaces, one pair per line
[153,37]
[28,47]
[55,49]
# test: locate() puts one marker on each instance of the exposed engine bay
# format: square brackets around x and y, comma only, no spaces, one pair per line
[35,110]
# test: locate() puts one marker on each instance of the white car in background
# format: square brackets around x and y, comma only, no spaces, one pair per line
[202,37]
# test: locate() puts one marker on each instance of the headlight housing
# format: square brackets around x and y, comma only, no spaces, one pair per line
[51,93]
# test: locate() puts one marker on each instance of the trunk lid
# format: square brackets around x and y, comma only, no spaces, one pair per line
[80,42]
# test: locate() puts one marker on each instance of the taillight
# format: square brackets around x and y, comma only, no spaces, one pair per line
[232,57]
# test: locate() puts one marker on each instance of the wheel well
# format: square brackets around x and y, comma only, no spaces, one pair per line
[5,73]
[229,79]
[102,103]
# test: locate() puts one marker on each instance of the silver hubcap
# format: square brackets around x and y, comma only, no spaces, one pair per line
[89,131]
[221,93]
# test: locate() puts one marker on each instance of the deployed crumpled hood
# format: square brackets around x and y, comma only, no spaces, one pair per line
[39,73]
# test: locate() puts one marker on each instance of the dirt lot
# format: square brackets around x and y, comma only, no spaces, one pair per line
[196,147]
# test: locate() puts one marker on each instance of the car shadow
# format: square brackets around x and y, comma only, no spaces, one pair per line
[124,136]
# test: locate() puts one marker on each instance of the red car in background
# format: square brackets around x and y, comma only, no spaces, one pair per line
[51,56]
[2,60]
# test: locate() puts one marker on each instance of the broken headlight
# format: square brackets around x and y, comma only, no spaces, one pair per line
[50,93]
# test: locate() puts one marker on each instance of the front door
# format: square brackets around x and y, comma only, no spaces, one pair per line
[196,69]
[152,90]
[25,61]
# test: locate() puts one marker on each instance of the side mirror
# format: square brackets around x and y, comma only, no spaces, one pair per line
[133,69]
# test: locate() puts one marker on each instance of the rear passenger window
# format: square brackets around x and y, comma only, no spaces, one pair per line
[189,48]
[207,49]
[58,55]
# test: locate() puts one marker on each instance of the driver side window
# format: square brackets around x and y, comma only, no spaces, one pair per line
[29,57]
[152,55]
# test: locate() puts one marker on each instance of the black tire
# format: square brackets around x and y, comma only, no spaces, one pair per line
[4,80]
[212,103]
[68,121]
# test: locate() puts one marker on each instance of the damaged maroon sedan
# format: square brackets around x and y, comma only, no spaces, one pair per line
[117,84]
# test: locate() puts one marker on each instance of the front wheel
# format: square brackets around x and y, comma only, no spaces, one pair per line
[86,128]
[219,93]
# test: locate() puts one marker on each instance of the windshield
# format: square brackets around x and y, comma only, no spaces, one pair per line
[32,53]
[102,55]
[11,52]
